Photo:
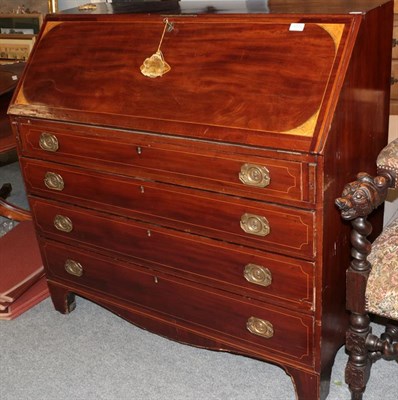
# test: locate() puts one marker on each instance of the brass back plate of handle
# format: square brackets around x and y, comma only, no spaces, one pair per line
[260,327]
[72,267]
[255,224]
[254,175]
[54,181]
[258,275]
[62,223]
[48,142]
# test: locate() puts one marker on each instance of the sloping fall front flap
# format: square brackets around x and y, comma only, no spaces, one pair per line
[244,78]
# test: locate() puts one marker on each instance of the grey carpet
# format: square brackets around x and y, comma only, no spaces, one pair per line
[92,354]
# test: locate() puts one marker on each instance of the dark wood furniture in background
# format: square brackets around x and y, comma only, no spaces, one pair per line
[9,75]
[200,204]
[22,280]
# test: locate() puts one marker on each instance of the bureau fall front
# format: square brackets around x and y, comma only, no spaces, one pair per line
[182,161]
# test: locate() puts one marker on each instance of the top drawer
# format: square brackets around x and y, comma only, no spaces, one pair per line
[228,169]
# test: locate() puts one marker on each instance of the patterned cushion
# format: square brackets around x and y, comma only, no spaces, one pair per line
[382,287]
[388,158]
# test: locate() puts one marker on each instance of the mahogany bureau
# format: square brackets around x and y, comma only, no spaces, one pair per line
[182,162]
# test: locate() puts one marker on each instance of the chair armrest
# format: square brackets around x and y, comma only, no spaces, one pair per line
[361,197]
[10,211]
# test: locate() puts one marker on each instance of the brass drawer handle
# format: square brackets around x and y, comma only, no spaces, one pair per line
[260,327]
[62,223]
[255,224]
[254,175]
[73,268]
[48,142]
[258,275]
[54,181]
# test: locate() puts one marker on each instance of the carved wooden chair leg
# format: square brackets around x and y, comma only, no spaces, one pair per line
[359,364]
[391,335]
[392,331]
[386,346]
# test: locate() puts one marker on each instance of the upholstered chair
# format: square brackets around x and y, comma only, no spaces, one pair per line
[372,277]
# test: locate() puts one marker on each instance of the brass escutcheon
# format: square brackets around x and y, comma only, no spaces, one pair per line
[257,274]
[54,181]
[73,267]
[260,327]
[254,175]
[255,224]
[48,142]
[62,223]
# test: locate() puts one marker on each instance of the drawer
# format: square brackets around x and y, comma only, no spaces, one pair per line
[186,162]
[235,318]
[242,221]
[252,273]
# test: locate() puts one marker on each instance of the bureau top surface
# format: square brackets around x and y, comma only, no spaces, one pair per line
[270,80]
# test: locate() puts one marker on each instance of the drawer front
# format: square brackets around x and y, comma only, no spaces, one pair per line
[284,333]
[254,224]
[189,163]
[264,276]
